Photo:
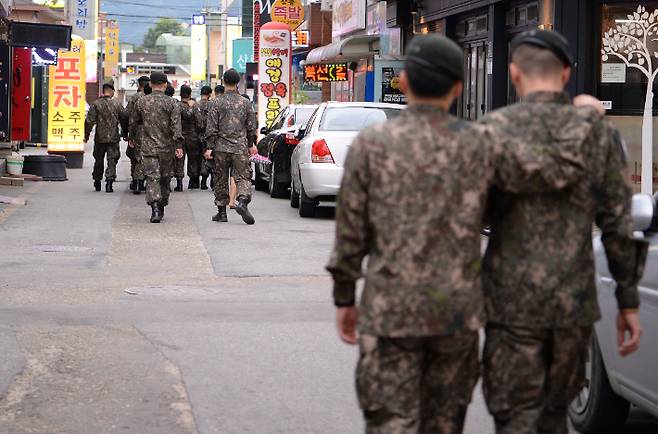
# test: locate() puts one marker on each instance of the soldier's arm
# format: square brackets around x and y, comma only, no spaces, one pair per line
[212,125]
[251,126]
[123,120]
[352,229]
[626,255]
[176,129]
[199,121]
[90,121]
[134,118]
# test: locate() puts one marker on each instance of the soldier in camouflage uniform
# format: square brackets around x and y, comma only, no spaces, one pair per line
[204,105]
[107,115]
[413,199]
[162,139]
[193,127]
[136,169]
[538,271]
[229,131]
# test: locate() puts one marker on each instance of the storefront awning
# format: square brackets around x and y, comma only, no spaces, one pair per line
[351,48]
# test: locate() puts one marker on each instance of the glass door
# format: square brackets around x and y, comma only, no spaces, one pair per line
[473,103]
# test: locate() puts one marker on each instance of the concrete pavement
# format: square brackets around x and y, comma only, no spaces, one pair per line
[111,324]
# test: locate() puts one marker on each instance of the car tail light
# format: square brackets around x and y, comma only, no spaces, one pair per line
[320,152]
[291,139]
[291,121]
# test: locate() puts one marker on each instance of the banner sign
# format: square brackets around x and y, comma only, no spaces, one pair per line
[111,48]
[326,72]
[199,50]
[347,16]
[273,72]
[290,12]
[91,66]
[83,17]
[21,91]
[242,54]
[300,39]
[5,64]
[256,29]
[66,102]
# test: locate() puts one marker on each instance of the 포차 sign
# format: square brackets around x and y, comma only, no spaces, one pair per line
[326,72]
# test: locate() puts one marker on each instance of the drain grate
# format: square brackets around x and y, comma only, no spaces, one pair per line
[46,248]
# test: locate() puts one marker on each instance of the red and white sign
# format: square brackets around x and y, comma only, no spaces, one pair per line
[256,30]
[275,55]
[21,88]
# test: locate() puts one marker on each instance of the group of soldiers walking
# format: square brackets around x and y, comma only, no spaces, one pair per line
[416,194]
[216,135]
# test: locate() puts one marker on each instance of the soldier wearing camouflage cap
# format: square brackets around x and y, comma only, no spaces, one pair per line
[162,140]
[538,271]
[136,170]
[107,115]
[413,199]
[205,165]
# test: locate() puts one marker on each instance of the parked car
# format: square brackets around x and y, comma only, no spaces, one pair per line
[318,159]
[277,144]
[615,382]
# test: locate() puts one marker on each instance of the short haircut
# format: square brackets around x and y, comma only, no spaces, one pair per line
[108,87]
[141,81]
[231,77]
[185,91]
[219,89]
[425,82]
[206,90]
[148,89]
[538,62]
[170,91]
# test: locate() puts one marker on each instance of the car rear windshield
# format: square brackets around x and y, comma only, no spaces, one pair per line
[302,115]
[355,118]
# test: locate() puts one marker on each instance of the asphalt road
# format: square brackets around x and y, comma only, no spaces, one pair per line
[110,324]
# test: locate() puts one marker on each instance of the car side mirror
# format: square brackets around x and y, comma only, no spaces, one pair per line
[642,209]
[263,130]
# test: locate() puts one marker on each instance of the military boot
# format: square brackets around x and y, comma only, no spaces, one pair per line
[97,185]
[133,185]
[241,208]
[179,184]
[156,213]
[204,182]
[108,187]
[221,215]
[197,184]
[162,207]
[142,185]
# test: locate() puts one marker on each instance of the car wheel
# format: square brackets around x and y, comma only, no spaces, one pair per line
[598,408]
[294,196]
[278,190]
[259,184]
[307,206]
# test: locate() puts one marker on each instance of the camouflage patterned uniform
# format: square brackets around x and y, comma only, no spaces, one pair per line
[538,271]
[204,107]
[230,125]
[136,168]
[107,114]
[161,135]
[413,199]
[193,126]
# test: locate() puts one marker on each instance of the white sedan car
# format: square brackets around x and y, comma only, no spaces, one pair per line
[318,159]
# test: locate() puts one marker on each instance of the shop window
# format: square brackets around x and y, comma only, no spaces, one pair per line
[472,27]
[522,15]
[628,60]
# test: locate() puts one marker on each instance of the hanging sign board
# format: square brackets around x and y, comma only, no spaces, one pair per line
[20,94]
[325,72]
[273,72]
[66,102]
[290,12]
[199,50]
[111,48]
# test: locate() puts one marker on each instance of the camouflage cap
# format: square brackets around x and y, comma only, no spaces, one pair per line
[547,39]
[108,85]
[437,54]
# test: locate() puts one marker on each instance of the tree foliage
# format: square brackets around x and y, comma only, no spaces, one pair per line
[164,25]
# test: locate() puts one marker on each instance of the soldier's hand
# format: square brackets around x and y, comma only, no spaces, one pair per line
[253,150]
[584,100]
[346,323]
[628,322]
[179,153]
[208,154]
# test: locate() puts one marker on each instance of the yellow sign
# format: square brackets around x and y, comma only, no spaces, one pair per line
[66,101]
[111,48]
[289,12]
[199,52]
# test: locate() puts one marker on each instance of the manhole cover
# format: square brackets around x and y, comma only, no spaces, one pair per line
[62,249]
[167,291]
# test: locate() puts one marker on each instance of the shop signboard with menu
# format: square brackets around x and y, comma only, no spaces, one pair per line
[274,63]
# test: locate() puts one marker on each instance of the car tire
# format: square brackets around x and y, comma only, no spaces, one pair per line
[294,196]
[278,190]
[598,408]
[259,184]
[307,206]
